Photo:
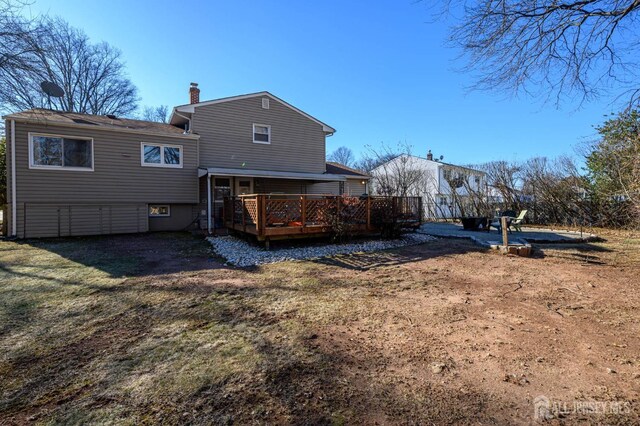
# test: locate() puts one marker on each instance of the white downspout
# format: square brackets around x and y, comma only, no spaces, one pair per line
[14,207]
[209,203]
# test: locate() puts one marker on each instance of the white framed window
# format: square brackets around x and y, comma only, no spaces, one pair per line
[160,155]
[159,210]
[60,152]
[261,133]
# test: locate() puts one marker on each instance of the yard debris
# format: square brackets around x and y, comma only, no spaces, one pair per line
[240,253]
[520,380]
[438,367]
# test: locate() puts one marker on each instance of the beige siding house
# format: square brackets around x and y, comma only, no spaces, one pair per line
[83,175]
[76,174]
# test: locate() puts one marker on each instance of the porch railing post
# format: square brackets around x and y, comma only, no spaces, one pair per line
[368,213]
[258,218]
[244,221]
[303,209]
[209,204]
[263,213]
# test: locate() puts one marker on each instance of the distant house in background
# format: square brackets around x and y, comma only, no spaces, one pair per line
[445,188]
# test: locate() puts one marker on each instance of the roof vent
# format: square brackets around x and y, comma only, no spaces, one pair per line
[265,103]
[112,116]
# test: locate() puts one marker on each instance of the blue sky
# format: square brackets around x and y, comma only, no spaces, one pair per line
[375,71]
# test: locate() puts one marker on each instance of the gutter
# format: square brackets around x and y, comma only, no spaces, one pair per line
[185,117]
[188,132]
[46,123]
[14,207]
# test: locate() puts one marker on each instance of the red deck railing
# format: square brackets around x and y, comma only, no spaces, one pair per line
[293,214]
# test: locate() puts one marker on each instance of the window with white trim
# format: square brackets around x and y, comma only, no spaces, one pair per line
[161,155]
[60,152]
[261,133]
[159,210]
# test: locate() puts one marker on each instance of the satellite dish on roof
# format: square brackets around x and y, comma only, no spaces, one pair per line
[52,89]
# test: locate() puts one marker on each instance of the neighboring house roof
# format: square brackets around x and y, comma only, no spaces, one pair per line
[99,122]
[221,171]
[430,161]
[334,168]
[190,108]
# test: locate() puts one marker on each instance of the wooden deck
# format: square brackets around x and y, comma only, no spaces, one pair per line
[284,216]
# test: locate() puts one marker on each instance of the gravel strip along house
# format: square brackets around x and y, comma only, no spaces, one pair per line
[76,174]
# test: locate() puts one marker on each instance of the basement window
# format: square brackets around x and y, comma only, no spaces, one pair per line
[60,152]
[159,210]
[261,134]
[160,155]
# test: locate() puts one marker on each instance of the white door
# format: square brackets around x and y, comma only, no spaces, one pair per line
[244,186]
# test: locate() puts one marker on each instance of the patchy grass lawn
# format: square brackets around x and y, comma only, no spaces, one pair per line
[150,328]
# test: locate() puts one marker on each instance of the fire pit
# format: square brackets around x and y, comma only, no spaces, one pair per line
[474,223]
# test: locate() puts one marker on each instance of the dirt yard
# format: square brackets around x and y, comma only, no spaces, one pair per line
[151,328]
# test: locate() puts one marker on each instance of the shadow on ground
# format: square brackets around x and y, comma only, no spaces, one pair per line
[399,256]
[585,252]
[132,255]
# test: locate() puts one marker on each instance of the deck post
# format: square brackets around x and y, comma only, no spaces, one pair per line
[263,214]
[368,213]
[504,228]
[244,222]
[303,210]
[208,203]
[258,220]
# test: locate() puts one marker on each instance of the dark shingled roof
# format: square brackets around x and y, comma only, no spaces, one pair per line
[341,169]
[102,121]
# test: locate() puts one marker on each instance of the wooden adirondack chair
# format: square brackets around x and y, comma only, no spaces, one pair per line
[512,222]
[518,220]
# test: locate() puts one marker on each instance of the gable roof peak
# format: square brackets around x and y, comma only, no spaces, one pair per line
[190,108]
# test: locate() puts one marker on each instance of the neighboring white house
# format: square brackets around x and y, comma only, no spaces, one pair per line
[444,188]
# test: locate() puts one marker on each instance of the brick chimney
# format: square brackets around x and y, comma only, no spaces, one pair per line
[194,93]
[429,155]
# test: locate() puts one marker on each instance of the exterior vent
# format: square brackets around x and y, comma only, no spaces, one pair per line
[265,103]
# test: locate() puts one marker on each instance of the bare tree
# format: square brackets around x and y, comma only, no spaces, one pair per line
[91,75]
[400,175]
[557,48]
[504,180]
[370,161]
[159,114]
[14,30]
[342,155]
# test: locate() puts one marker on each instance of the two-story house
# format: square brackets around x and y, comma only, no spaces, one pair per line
[445,188]
[78,174]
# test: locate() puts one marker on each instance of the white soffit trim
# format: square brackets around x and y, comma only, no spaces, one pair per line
[190,108]
[219,171]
